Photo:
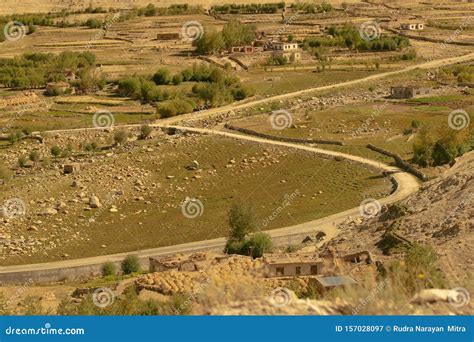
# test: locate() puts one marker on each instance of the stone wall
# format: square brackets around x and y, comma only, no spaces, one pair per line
[400,162]
[285,139]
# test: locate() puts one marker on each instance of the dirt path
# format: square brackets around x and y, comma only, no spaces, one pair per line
[407,184]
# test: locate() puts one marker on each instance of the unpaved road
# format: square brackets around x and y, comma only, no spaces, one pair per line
[407,185]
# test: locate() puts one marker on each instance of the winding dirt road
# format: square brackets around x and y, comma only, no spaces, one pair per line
[406,184]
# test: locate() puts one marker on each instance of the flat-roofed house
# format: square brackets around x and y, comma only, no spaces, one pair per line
[415,26]
[287,265]
[407,92]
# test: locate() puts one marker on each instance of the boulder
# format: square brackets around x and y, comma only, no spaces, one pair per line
[94,202]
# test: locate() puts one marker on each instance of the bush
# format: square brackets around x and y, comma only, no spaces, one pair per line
[177,79]
[109,269]
[56,151]
[14,137]
[416,124]
[35,156]
[121,137]
[26,130]
[130,264]
[166,110]
[22,161]
[258,244]
[162,76]
[90,146]
[145,131]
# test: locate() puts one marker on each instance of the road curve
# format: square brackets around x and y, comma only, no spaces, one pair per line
[406,184]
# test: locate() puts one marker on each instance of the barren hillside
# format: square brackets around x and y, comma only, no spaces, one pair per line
[440,214]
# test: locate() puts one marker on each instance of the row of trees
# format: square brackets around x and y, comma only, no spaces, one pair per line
[213,88]
[233,34]
[34,70]
[311,7]
[248,8]
[348,36]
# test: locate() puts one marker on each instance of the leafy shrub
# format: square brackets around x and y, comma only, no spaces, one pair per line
[22,161]
[145,131]
[56,151]
[26,130]
[90,146]
[108,269]
[130,264]
[258,244]
[177,79]
[121,137]
[35,156]
[162,76]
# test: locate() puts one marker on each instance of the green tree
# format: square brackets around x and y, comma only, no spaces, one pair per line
[241,219]
[210,42]
[236,34]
